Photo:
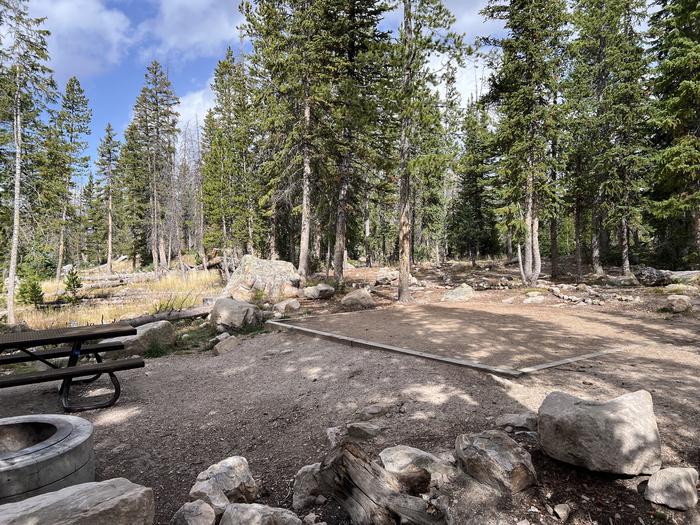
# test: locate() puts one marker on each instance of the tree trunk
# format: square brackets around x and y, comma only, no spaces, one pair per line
[509,243]
[305,199]
[624,246]
[577,229]
[595,238]
[224,232]
[696,228]
[61,242]
[14,249]
[272,245]
[368,247]
[110,211]
[341,224]
[554,247]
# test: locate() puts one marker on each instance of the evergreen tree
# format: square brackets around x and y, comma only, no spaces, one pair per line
[676,86]
[523,89]
[107,163]
[29,84]
[73,119]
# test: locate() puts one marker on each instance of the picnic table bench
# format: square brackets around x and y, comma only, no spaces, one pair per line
[24,346]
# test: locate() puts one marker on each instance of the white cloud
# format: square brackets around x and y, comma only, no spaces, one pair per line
[191,28]
[86,38]
[194,106]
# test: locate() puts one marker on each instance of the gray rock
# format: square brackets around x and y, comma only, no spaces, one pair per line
[562,511]
[194,513]
[402,459]
[287,306]
[158,333]
[231,314]
[648,276]
[533,294]
[537,299]
[358,299]
[622,280]
[115,501]
[306,487]
[386,276]
[363,430]
[373,411]
[228,481]
[256,514]
[463,292]
[679,303]
[522,421]
[494,459]
[682,289]
[619,436]
[674,487]
[335,435]
[273,280]
[320,291]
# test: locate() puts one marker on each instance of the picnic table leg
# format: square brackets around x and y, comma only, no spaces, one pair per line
[65,387]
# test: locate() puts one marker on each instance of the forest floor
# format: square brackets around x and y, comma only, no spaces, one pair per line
[272,396]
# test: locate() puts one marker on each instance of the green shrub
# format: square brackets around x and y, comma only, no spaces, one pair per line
[73,283]
[30,291]
[155,349]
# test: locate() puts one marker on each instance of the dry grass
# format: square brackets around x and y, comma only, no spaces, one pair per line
[102,305]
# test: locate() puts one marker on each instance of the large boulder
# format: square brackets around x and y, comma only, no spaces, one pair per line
[679,303]
[194,513]
[319,291]
[228,481]
[649,276]
[231,314]
[386,276]
[263,279]
[306,487]
[622,280]
[148,336]
[360,298]
[115,501]
[402,459]
[496,460]
[287,306]
[463,292]
[256,514]
[674,487]
[619,436]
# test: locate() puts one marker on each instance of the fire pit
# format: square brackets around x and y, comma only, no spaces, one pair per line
[43,453]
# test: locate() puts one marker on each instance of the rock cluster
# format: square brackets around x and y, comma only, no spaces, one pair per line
[263,279]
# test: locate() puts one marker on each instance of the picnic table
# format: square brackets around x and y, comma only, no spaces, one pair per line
[25,347]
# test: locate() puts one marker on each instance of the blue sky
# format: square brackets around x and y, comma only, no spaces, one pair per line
[108,43]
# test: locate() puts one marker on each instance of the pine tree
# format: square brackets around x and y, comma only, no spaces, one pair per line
[676,85]
[522,89]
[25,52]
[73,119]
[107,163]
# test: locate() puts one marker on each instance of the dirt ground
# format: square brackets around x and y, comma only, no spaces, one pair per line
[272,396]
[509,335]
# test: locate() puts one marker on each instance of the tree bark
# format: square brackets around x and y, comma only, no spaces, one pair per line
[274,254]
[577,229]
[595,239]
[305,198]
[404,151]
[696,228]
[368,247]
[14,249]
[110,211]
[341,224]
[624,246]
[61,242]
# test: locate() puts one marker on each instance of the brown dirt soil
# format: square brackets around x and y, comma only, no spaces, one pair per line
[271,397]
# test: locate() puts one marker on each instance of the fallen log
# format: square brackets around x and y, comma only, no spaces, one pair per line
[175,315]
[370,494]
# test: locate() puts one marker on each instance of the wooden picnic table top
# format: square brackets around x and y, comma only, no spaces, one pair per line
[64,335]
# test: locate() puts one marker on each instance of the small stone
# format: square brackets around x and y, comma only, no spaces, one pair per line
[287,306]
[227,481]
[363,430]
[334,436]
[523,421]
[463,292]
[306,487]
[320,291]
[562,511]
[537,299]
[679,303]
[508,300]
[674,487]
[194,513]
[493,458]
[402,459]
[256,514]
[361,298]
[373,411]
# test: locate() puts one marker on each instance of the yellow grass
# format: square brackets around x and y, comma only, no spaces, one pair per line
[102,305]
